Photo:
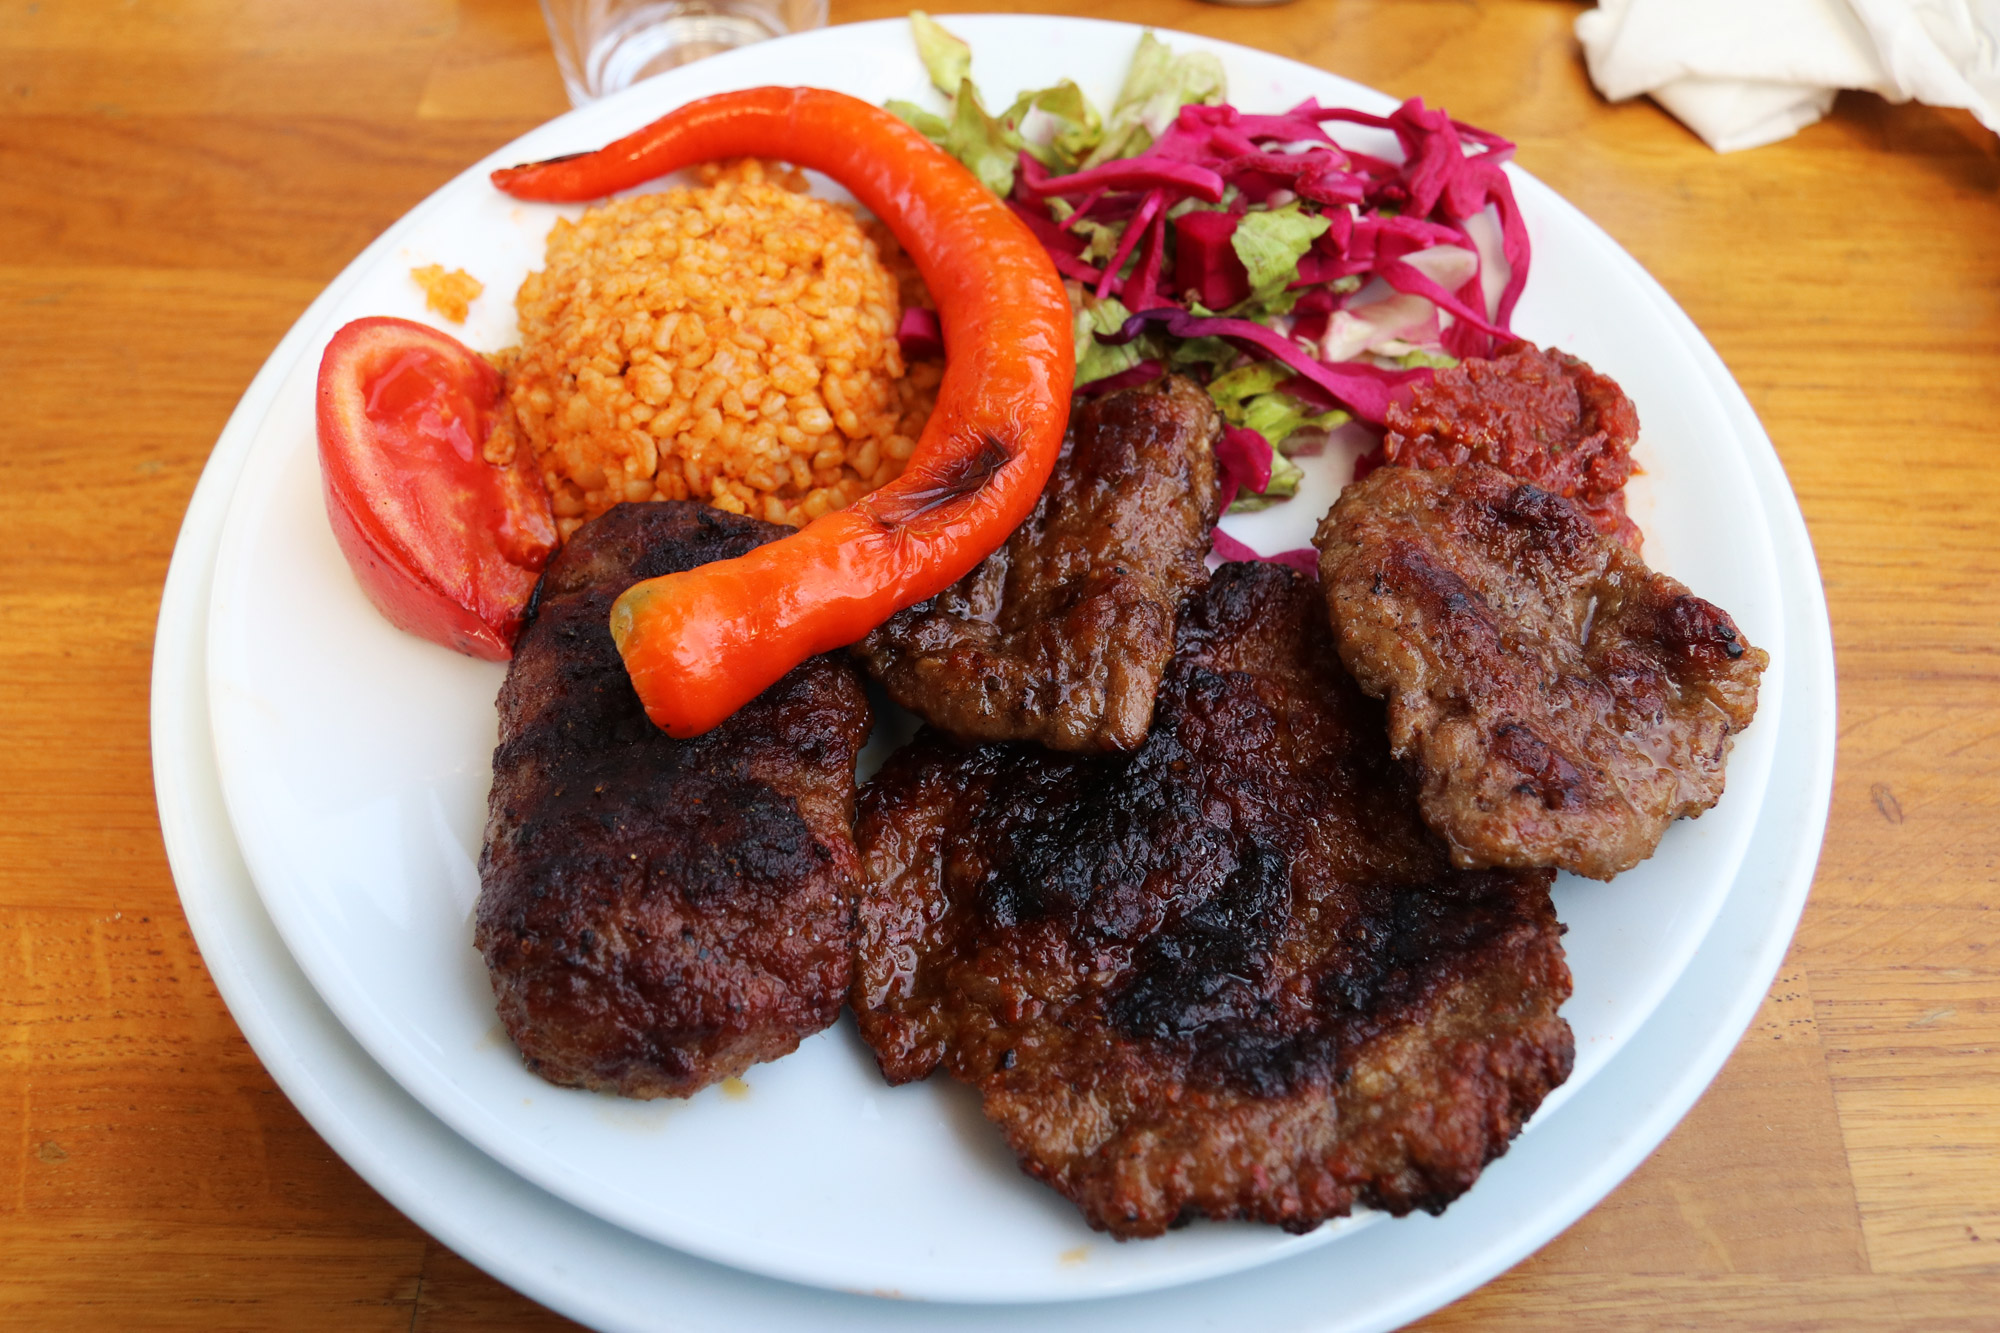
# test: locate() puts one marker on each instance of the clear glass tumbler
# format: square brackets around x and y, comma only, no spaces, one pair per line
[605,45]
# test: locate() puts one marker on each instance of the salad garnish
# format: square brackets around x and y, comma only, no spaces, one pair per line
[1304,280]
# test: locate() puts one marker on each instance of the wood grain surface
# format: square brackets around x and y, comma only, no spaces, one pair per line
[180,177]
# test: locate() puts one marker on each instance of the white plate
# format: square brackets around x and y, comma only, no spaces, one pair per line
[354,762]
[613,1280]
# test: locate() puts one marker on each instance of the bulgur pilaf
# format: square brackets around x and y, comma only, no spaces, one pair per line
[448,294]
[733,342]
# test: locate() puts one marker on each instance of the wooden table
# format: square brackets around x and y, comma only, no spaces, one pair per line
[182,178]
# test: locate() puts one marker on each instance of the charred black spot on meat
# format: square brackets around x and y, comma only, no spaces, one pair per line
[1264,1059]
[745,840]
[1399,931]
[1079,848]
[1551,777]
[1547,520]
[1698,627]
[1206,969]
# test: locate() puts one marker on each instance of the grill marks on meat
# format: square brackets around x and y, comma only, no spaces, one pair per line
[1062,634]
[658,914]
[1560,703]
[1544,417]
[1229,975]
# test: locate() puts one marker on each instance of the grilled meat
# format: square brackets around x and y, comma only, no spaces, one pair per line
[1061,635]
[1559,702]
[1544,417]
[1229,975]
[658,914]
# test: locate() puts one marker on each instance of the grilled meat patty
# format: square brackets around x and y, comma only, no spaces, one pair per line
[1229,975]
[1559,702]
[1061,635]
[658,914]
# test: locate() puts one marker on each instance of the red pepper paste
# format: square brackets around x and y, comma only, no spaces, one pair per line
[1544,417]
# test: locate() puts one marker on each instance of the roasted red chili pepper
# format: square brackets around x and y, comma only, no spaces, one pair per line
[701,644]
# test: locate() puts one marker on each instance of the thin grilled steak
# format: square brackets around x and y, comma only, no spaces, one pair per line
[1559,703]
[1061,635]
[658,914]
[1230,975]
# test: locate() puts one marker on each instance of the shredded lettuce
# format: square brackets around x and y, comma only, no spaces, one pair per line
[946,58]
[1362,388]
[1100,241]
[984,144]
[1096,360]
[1280,417]
[1283,485]
[1271,242]
[1159,84]
[1057,126]
[1205,355]
[1246,381]
[1249,396]
[927,123]
[989,147]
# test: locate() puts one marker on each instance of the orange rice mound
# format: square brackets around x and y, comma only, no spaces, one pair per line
[733,342]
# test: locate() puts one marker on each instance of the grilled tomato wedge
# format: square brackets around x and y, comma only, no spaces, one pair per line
[446,545]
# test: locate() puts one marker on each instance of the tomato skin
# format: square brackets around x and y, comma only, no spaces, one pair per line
[446,545]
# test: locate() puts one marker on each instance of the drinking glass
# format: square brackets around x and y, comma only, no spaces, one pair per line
[605,45]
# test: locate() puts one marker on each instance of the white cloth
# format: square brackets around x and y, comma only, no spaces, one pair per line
[1741,73]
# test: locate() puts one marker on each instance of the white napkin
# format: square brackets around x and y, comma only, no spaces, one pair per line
[1741,73]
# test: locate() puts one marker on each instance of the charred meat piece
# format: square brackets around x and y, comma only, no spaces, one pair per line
[1559,702]
[658,914]
[1060,636]
[1544,417]
[1230,975]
